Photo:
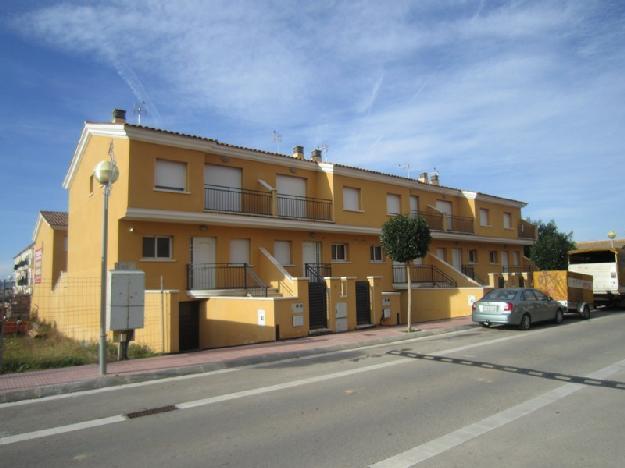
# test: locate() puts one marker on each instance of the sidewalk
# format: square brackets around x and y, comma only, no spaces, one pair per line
[38,384]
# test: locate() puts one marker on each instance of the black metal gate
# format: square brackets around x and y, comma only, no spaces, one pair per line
[363,303]
[189,326]
[317,305]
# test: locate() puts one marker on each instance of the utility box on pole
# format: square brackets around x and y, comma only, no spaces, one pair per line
[125,300]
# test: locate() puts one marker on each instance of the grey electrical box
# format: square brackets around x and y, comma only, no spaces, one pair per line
[125,299]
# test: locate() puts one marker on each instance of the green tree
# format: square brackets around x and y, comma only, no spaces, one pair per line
[405,239]
[551,247]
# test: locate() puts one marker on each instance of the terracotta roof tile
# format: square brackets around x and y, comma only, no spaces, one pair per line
[56,219]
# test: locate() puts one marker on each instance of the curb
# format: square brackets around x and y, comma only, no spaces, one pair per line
[116,380]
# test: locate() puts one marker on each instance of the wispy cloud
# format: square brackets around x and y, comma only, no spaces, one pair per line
[499,96]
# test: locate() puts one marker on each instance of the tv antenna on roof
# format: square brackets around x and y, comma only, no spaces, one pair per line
[324,151]
[406,167]
[277,139]
[139,110]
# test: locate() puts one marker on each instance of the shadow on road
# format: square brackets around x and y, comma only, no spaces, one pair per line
[513,370]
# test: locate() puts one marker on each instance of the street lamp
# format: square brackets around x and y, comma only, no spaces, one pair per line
[611,236]
[106,174]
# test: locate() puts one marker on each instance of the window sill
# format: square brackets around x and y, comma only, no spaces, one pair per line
[486,225]
[339,261]
[172,191]
[353,211]
[157,260]
[379,262]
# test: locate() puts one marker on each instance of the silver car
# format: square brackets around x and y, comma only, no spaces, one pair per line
[516,306]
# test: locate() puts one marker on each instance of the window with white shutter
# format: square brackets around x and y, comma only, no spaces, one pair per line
[170,175]
[393,204]
[282,252]
[351,199]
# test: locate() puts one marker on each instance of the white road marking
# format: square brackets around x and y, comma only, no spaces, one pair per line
[237,395]
[61,429]
[458,437]
[64,396]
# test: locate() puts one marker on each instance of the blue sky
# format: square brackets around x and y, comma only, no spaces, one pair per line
[520,99]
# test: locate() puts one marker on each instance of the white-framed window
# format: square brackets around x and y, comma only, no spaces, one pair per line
[339,252]
[351,199]
[170,175]
[473,256]
[484,217]
[515,258]
[157,247]
[282,252]
[376,253]
[414,205]
[240,251]
[507,221]
[393,204]
[492,256]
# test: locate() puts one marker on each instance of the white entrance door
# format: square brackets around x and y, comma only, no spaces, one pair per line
[291,196]
[456,259]
[311,253]
[445,208]
[504,261]
[203,272]
[240,251]
[223,191]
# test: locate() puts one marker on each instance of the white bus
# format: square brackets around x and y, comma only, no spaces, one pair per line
[607,267]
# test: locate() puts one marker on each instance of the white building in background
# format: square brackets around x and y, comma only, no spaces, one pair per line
[23,271]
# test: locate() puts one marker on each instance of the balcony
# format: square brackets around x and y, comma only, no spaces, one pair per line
[257,203]
[225,276]
[527,230]
[441,222]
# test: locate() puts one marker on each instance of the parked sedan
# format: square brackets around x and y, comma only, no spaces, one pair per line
[516,306]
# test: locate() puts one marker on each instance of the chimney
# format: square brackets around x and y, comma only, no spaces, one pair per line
[298,152]
[315,155]
[119,116]
[423,178]
[434,179]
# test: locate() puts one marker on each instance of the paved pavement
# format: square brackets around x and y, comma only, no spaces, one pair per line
[473,397]
[38,384]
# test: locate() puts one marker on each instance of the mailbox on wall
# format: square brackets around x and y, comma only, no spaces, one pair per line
[125,300]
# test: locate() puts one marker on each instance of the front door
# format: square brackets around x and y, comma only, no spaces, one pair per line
[311,254]
[456,259]
[203,274]
[504,262]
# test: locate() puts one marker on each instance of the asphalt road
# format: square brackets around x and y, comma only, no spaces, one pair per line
[552,396]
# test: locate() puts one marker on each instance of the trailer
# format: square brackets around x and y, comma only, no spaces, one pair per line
[573,290]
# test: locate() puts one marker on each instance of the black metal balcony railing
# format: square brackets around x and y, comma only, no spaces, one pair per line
[207,276]
[526,230]
[464,224]
[304,208]
[317,271]
[423,274]
[235,200]
[434,220]
[469,270]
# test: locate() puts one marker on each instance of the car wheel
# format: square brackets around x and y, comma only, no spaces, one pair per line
[485,324]
[559,316]
[526,323]
[586,312]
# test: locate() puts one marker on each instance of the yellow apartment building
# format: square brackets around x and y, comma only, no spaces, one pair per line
[241,245]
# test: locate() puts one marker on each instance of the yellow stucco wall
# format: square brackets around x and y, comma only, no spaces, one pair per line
[438,303]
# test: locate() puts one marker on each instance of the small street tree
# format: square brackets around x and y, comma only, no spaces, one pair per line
[551,248]
[404,239]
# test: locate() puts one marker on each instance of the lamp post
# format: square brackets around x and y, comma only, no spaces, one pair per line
[611,236]
[106,174]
